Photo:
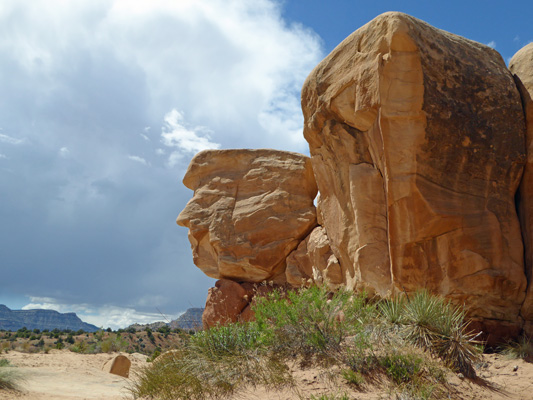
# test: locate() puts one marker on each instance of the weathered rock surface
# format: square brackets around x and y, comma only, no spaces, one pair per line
[314,261]
[230,302]
[417,143]
[521,65]
[119,365]
[224,303]
[250,209]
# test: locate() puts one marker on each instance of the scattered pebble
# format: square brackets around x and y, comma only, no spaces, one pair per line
[515,368]
[460,376]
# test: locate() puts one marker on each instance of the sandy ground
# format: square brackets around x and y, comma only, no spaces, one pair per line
[62,375]
[499,378]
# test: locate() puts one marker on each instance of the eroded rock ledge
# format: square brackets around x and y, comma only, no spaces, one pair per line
[418,145]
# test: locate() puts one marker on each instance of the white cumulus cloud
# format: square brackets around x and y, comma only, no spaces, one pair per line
[138,159]
[10,140]
[184,139]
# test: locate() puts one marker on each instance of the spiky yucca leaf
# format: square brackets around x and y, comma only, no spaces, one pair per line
[393,310]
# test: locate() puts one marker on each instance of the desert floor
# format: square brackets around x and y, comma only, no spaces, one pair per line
[62,375]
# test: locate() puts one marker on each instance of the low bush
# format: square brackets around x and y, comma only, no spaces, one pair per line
[311,322]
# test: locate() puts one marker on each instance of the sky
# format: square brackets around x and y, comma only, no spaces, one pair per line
[103,103]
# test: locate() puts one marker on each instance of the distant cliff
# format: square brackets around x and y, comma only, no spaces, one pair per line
[190,319]
[12,320]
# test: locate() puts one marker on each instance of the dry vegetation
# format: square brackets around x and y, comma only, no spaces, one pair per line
[151,343]
[406,349]
[408,345]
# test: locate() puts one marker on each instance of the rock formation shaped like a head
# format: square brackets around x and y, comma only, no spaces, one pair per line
[250,209]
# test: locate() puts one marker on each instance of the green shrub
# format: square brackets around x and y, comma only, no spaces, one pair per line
[112,344]
[80,346]
[312,325]
[311,322]
[402,368]
[393,310]
[437,326]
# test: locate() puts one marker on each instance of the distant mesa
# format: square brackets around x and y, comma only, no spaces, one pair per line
[189,320]
[13,320]
[421,146]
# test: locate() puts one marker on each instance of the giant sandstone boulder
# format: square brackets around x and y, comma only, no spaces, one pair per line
[521,65]
[250,209]
[417,144]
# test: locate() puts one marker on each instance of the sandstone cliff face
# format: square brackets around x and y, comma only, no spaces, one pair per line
[417,143]
[250,209]
[521,66]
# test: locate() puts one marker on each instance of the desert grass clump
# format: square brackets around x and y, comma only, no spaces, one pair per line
[521,348]
[214,364]
[327,396]
[352,377]
[10,378]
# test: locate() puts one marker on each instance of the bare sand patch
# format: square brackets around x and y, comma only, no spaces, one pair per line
[62,375]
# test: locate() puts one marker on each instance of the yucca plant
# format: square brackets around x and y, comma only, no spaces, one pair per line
[437,326]
[393,310]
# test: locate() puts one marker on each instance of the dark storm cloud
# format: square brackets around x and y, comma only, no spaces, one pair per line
[102,106]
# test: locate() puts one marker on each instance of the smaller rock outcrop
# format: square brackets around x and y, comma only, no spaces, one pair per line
[119,365]
[250,209]
[313,261]
[224,303]
[230,301]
